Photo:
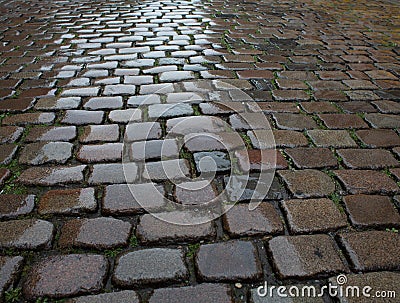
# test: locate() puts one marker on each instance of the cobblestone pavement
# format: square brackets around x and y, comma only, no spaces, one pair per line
[85,84]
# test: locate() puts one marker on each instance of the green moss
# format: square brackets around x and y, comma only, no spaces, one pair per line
[113,252]
[133,242]
[13,295]
[192,249]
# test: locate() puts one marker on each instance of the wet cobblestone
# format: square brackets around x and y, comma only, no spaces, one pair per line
[109,109]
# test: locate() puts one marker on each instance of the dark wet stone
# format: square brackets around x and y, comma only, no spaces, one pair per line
[113,173]
[169,110]
[97,233]
[81,92]
[4,175]
[154,149]
[143,131]
[202,293]
[171,76]
[331,138]
[10,134]
[81,117]
[7,152]
[305,256]
[9,270]
[68,201]
[243,188]
[65,133]
[313,215]
[372,250]
[260,160]
[367,158]
[150,266]
[119,90]
[103,103]
[308,183]
[125,115]
[66,275]
[195,193]
[366,182]
[167,170]
[119,200]
[228,261]
[46,152]
[371,210]
[100,133]
[12,206]
[213,141]
[239,221]
[29,118]
[195,124]
[58,103]
[208,162]
[26,234]
[312,157]
[154,230]
[108,152]
[125,296]
[378,137]
[48,176]
[137,101]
